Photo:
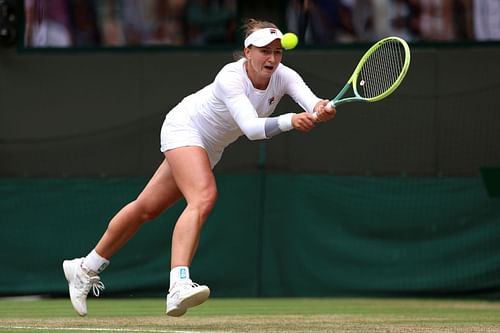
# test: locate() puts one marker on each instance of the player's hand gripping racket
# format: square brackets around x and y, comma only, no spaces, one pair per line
[378,73]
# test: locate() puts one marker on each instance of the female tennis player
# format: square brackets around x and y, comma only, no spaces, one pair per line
[194,134]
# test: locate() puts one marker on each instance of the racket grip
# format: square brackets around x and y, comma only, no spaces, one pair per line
[315,115]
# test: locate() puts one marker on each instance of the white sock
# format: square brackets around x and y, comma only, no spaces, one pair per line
[179,274]
[95,262]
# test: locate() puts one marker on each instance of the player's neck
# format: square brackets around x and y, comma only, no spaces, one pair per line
[258,81]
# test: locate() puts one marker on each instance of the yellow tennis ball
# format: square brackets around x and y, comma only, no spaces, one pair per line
[289,40]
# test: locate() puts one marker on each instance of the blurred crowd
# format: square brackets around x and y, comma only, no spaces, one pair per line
[344,21]
[110,23]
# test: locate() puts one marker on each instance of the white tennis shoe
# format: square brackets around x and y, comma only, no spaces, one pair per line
[80,280]
[185,295]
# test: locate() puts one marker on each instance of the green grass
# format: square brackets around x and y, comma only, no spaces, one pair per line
[254,315]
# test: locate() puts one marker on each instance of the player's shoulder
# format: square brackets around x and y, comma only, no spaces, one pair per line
[233,68]
[285,72]
[231,74]
[229,79]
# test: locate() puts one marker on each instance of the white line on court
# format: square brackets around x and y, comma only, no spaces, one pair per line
[96,329]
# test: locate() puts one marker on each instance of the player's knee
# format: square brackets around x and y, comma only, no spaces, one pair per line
[147,211]
[149,215]
[206,201]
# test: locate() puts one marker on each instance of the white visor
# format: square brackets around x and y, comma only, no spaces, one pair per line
[262,37]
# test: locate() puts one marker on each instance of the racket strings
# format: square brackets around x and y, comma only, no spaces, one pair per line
[381,70]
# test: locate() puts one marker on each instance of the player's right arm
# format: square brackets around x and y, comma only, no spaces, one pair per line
[324,111]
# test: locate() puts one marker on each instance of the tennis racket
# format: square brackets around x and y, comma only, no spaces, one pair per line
[379,72]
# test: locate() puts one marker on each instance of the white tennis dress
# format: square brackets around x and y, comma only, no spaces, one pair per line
[230,107]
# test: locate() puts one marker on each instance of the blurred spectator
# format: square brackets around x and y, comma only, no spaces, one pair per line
[350,20]
[366,18]
[321,21]
[486,18]
[345,31]
[47,23]
[376,19]
[137,20]
[168,23]
[434,19]
[89,23]
[83,15]
[153,22]
[337,21]
[110,23]
[400,16]
[211,21]
[294,16]
[142,22]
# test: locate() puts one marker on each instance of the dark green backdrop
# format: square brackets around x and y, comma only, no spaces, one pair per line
[270,235]
[386,199]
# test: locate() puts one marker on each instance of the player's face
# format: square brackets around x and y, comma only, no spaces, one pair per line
[263,61]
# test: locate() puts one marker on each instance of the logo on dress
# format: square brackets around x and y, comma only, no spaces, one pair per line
[271,100]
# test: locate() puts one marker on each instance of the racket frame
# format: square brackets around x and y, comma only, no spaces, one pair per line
[352,82]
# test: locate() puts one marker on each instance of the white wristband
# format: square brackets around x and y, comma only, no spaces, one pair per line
[285,122]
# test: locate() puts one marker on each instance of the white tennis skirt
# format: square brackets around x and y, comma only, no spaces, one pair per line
[178,131]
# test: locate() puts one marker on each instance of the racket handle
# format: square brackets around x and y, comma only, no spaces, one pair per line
[315,115]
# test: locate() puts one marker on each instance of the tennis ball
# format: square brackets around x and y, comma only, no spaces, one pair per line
[289,40]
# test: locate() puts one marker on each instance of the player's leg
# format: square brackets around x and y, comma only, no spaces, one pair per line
[193,174]
[160,193]
[82,273]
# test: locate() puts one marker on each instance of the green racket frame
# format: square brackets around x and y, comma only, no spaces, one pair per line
[353,80]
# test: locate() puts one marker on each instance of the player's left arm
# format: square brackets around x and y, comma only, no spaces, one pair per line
[297,89]
[303,121]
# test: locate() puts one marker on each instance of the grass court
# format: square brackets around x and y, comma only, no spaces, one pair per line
[350,315]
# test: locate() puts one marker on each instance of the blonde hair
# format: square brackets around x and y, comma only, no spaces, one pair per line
[252,25]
